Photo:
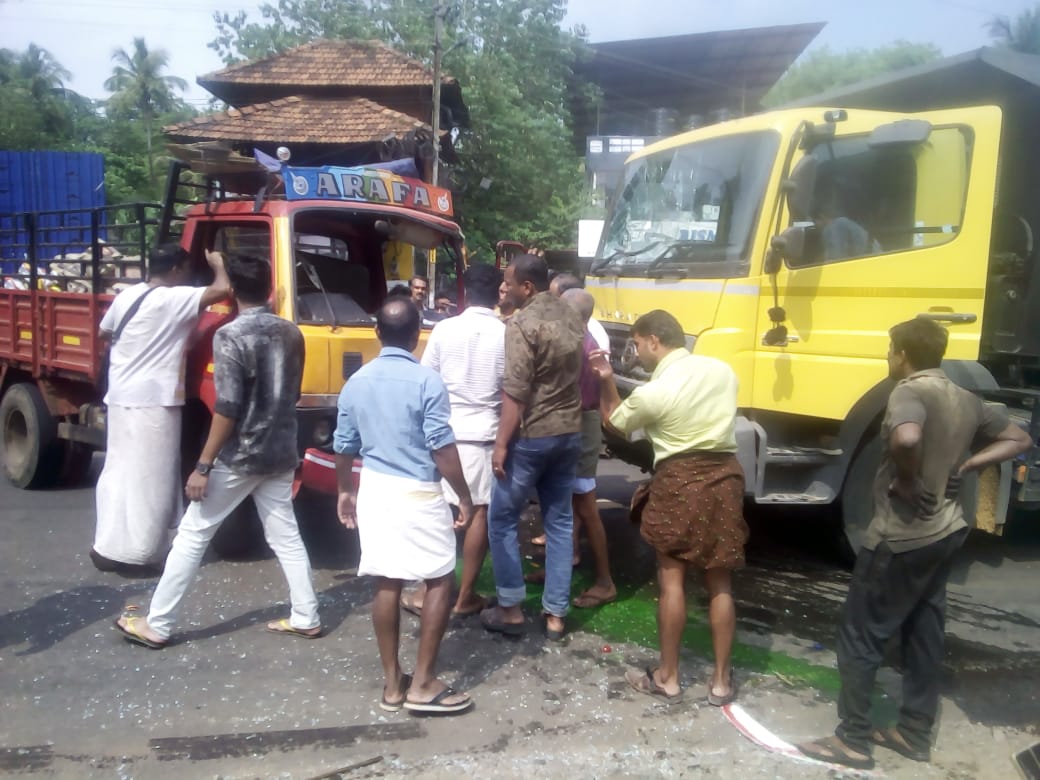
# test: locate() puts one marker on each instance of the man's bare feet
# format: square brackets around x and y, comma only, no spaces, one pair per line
[413,601]
[503,620]
[596,596]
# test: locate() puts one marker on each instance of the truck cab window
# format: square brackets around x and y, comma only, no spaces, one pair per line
[870,201]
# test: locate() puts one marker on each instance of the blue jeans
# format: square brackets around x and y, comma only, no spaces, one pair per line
[546,464]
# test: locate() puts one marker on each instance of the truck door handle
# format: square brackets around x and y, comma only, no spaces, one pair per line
[955,317]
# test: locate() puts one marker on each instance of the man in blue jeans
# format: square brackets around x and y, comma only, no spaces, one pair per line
[538,444]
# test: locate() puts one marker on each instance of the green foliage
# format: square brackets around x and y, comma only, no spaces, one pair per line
[823,69]
[141,91]
[41,114]
[1022,34]
[514,63]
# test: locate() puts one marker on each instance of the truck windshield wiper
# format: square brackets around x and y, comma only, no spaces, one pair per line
[598,268]
[312,274]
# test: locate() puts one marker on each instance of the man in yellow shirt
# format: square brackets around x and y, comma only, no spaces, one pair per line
[693,515]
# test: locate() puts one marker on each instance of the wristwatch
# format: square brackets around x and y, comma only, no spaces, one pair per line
[203,468]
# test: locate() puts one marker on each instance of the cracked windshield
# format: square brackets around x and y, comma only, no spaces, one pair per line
[690,208]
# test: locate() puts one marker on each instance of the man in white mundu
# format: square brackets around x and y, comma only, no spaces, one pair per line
[394,412]
[138,496]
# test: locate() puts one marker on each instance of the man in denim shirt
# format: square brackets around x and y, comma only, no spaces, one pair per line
[394,412]
[250,451]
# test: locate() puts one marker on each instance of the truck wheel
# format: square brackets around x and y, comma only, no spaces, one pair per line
[241,535]
[30,437]
[857,496]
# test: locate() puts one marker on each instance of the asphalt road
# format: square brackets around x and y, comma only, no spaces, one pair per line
[228,699]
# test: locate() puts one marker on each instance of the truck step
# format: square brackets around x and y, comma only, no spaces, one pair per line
[800,456]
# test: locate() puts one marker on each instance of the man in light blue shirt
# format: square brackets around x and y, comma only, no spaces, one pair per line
[394,413]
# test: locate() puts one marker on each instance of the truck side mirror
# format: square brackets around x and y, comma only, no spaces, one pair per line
[789,246]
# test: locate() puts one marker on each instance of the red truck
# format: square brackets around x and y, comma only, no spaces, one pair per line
[336,238]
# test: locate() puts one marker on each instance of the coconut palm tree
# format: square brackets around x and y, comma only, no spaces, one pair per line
[1022,34]
[39,70]
[139,87]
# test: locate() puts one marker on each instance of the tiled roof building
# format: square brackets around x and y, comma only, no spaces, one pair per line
[344,102]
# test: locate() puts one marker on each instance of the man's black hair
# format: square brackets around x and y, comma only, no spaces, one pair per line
[398,323]
[663,325]
[533,269]
[422,279]
[565,281]
[399,291]
[165,257]
[250,277]
[923,342]
[481,282]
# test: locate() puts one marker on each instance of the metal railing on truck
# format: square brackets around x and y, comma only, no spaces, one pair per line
[60,271]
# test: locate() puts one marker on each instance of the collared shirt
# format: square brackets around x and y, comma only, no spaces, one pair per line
[543,365]
[690,403]
[394,412]
[257,370]
[952,420]
[468,351]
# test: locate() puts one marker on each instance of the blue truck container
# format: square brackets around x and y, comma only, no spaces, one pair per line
[48,182]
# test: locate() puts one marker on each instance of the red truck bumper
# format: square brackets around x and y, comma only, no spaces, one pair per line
[318,471]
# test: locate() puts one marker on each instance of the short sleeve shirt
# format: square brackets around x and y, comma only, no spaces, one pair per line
[689,404]
[953,422]
[468,351]
[395,413]
[543,366]
[146,364]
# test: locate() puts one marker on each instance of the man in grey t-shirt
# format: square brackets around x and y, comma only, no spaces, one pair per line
[250,451]
[899,583]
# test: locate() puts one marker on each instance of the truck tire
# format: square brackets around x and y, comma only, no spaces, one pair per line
[857,496]
[30,435]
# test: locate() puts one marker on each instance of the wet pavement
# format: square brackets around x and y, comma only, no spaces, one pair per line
[228,699]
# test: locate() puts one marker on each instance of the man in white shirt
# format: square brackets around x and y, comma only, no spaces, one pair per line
[138,496]
[468,351]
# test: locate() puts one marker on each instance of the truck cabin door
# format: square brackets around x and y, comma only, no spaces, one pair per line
[887,219]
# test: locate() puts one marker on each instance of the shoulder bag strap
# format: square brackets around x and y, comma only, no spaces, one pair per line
[131,312]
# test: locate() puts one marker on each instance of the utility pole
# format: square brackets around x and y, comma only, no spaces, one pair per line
[438,36]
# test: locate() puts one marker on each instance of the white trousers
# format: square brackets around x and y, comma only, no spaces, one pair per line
[226,490]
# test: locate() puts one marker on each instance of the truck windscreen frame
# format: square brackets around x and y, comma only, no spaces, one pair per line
[689,210]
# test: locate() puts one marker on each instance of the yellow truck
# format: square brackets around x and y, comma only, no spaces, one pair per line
[787,244]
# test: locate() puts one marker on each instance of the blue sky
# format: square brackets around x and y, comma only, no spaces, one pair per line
[83,33]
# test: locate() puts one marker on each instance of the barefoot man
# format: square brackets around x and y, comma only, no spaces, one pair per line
[693,517]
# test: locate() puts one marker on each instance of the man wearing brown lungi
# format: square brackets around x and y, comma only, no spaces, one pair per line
[693,516]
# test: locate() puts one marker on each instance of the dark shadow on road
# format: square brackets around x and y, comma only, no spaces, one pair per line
[53,618]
